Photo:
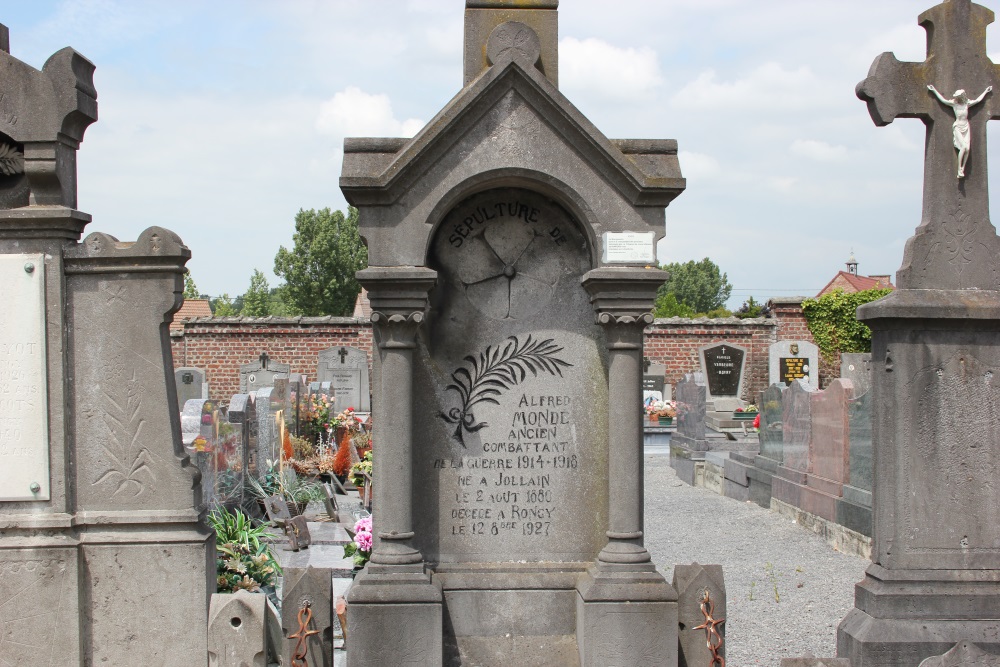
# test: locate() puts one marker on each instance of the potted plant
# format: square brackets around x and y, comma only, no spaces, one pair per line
[361,473]
[296,491]
[748,412]
[244,559]
[360,548]
[662,412]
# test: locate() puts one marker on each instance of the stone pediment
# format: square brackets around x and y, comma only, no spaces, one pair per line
[509,127]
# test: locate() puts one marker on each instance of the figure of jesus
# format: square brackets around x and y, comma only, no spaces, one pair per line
[960,105]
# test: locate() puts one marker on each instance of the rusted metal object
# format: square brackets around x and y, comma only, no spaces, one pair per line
[302,636]
[710,626]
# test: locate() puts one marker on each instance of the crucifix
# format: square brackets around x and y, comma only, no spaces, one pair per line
[343,354]
[955,246]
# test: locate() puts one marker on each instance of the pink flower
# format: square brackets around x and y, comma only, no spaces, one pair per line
[364,541]
[363,525]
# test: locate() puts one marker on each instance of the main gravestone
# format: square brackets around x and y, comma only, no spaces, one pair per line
[346,369]
[935,577]
[722,365]
[105,558]
[508,250]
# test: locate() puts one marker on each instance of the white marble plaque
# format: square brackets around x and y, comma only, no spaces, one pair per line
[24,432]
[628,247]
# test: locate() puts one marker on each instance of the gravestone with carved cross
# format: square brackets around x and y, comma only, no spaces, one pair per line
[936,368]
[346,369]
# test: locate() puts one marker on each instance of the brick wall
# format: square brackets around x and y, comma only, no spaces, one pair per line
[674,342]
[221,345]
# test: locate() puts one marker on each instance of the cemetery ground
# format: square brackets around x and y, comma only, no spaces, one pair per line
[786,588]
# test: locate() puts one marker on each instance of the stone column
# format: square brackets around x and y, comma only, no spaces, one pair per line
[395,589]
[624,603]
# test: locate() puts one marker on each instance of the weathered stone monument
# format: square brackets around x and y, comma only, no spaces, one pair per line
[96,493]
[935,579]
[346,369]
[790,360]
[508,250]
[190,384]
[261,373]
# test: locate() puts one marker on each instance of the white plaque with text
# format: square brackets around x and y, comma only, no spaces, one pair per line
[24,426]
[628,247]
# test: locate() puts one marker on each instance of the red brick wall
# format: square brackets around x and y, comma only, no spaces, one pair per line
[674,342]
[222,345]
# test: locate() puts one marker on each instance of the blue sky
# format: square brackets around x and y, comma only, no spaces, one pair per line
[221,119]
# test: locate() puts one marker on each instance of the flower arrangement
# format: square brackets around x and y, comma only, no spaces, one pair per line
[657,409]
[314,416]
[749,408]
[348,420]
[361,548]
[359,469]
[244,559]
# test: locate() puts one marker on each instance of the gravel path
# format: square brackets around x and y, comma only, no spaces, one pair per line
[761,553]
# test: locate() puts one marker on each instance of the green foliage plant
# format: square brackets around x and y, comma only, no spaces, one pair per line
[255,300]
[319,269]
[750,308]
[190,289]
[833,322]
[223,307]
[668,306]
[701,286]
[245,560]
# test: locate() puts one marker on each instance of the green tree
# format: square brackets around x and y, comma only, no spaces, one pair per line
[700,286]
[319,270]
[256,297]
[223,306]
[668,306]
[750,308]
[833,321]
[190,289]
[279,304]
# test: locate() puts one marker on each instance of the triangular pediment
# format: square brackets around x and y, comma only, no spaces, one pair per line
[507,103]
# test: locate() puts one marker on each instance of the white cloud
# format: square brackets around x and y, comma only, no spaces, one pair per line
[355,113]
[594,66]
[818,150]
[770,86]
[698,165]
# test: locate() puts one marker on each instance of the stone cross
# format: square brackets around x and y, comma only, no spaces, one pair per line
[955,245]
[264,359]
[343,354]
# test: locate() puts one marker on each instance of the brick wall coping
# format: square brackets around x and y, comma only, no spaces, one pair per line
[326,319]
[718,321]
[787,300]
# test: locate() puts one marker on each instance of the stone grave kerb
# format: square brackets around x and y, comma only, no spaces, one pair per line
[511,134]
[935,357]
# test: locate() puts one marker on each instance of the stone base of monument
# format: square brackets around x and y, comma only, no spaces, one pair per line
[688,463]
[714,475]
[736,482]
[493,611]
[815,662]
[840,538]
[760,476]
[854,510]
[394,617]
[901,618]
[626,615]
[810,493]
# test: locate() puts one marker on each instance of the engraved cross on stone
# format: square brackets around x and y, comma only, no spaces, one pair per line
[955,245]
[343,355]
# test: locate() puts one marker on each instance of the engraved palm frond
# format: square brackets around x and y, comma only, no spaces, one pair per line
[11,160]
[496,370]
[122,418]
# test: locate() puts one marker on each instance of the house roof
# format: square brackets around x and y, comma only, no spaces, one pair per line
[857,283]
[362,306]
[191,308]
